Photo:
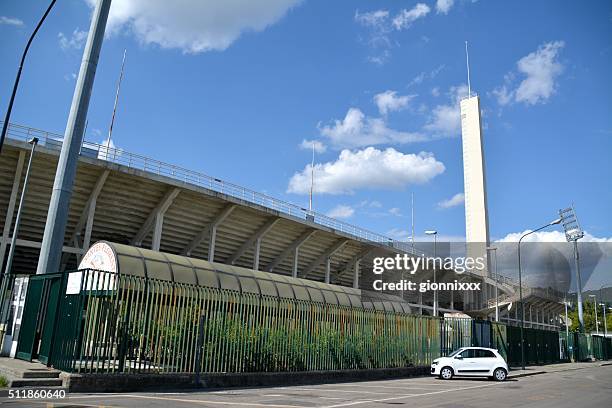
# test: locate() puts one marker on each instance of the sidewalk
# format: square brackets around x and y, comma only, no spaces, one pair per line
[554,368]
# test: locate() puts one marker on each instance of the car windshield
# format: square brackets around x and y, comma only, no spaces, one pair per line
[455,352]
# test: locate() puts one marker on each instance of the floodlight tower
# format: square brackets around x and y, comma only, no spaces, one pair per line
[573,233]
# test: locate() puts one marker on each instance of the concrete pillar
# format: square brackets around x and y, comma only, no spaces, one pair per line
[356,275]
[157,231]
[57,215]
[256,254]
[296,254]
[327,270]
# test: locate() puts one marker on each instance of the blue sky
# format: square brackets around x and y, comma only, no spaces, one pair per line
[234,88]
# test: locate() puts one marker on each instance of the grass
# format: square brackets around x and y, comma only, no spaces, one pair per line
[3,382]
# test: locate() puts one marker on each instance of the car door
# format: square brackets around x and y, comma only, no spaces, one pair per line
[466,364]
[486,360]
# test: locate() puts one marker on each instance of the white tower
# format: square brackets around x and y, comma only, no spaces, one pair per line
[475,187]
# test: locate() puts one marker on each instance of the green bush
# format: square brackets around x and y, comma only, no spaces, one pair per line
[3,382]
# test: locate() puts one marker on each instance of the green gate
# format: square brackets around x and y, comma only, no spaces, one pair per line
[39,316]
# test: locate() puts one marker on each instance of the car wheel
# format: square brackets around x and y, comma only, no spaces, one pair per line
[446,373]
[500,374]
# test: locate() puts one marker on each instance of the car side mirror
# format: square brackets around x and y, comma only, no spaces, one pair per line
[459,357]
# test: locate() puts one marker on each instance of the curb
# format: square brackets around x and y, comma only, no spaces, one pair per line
[518,375]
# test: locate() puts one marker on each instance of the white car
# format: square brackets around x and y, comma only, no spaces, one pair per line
[473,362]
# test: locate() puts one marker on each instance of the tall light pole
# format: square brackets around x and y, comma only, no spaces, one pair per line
[566,321]
[573,233]
[57,215]
[435,302]
[555,222]
[595,308]
[603,306]
[9,109]
[495,277]
[9,261]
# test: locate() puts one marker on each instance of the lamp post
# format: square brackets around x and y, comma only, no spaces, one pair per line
[555,222]
[9,261]
[9,109]
[435,301]
[595,308]
[603,306]
[566,321]
[495,277]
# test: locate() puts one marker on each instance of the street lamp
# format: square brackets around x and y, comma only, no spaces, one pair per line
[9,261]
[555,222]
[565,302]
[435,301]
[9,109]
[603,306]
[495,277]
[595,308]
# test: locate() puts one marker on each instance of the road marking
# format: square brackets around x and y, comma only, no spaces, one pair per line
[193,401]
[349,391]
[348,404]
[407,388]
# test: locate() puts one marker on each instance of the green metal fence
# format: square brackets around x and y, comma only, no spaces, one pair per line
[120,323]
[582,346]
[104,322]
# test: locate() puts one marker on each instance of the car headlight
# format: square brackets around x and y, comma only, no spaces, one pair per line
[433,363]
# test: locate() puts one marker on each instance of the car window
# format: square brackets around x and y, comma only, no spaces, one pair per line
[469,353]
[454,352]
[484,354]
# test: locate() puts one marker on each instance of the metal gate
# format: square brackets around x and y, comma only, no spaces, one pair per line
[39,316]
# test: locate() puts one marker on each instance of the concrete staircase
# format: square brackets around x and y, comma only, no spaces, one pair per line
[24,374]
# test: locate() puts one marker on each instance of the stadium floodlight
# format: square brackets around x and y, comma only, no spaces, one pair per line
[573,233]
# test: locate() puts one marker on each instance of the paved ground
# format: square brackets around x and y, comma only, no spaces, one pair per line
[581,385]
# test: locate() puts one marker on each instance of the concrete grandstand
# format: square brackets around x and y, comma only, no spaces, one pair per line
[131,199]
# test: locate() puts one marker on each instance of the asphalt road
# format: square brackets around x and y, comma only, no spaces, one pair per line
[578,388]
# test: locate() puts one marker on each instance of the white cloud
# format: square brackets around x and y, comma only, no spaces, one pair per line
[378,37]
[390,101]
[319,146]
[444,6]
[435,92]
[549,236]
[405,18]
[503,95]
[395,211]
[372,18]
[445,120]
[341,211]
[194,26]
[357,130]
[540,69]
[368,168]
[10,21]
[75,41]
[454,201]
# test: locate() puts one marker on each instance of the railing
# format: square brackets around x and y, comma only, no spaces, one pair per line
[132,324]
[53,141]
[108,323]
